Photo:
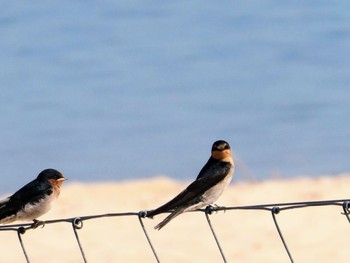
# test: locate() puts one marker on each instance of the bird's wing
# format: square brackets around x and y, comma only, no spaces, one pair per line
[31,192]
[214,174]
[211,163]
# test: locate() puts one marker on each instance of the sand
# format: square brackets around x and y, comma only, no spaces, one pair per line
[317,234]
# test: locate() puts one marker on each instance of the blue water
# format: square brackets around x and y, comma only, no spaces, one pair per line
[116,90]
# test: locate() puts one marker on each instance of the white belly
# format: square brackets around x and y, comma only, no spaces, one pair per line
[213,194]
[33,211]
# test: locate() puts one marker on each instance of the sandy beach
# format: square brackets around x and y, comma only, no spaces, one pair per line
[316,234]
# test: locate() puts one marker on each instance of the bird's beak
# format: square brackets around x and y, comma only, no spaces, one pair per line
[62,179]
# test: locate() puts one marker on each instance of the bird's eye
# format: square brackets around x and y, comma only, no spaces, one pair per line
[226,147]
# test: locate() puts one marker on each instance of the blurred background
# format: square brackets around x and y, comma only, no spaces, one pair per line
[119,90]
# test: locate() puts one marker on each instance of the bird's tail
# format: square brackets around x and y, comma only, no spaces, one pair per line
[4,202]
[170,217]
[5,213]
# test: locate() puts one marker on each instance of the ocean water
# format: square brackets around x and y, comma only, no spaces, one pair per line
[118,90]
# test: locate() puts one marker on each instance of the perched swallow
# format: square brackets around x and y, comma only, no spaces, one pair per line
[32,200]
[211,181]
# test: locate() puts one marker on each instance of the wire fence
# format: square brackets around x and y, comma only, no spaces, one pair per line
[78,223]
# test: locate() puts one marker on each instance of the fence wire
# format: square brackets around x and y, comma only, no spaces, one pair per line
[78,222]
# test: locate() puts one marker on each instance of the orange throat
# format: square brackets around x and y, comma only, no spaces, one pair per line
[222,155]
[56,184]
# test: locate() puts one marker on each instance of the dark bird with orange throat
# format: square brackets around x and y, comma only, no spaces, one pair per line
[32,200]
[211,181]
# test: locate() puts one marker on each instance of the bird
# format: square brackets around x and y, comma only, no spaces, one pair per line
[32,200]
[210,183]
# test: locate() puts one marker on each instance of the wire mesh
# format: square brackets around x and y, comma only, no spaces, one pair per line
[275,209]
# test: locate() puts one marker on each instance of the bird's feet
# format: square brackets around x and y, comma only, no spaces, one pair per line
[221,208]
[214,208]
[37,223]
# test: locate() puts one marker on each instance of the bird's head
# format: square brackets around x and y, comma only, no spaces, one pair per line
[221,150]
[53,176]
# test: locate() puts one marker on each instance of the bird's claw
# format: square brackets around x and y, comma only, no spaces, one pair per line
[216,208]
[221,208]
[37,223]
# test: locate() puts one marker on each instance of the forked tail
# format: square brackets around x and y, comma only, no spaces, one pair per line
[169,218]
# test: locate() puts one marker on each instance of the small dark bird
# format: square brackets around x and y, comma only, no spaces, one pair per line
[32,200]
[214,177]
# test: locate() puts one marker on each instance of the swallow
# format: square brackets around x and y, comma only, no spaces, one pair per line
[32,200]
[210,183]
